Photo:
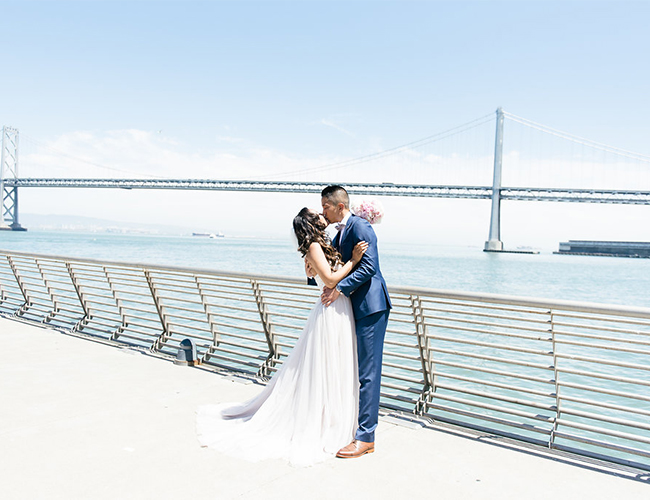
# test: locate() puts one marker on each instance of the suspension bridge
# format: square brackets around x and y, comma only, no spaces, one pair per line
[578,171]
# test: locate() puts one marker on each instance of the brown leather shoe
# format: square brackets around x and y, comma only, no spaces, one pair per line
[356,449]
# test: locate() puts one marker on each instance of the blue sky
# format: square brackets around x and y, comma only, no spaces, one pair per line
[308,82]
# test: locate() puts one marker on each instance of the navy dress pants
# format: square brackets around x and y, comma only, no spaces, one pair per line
[371,331]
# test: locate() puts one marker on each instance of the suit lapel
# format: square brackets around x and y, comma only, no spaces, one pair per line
[347,231]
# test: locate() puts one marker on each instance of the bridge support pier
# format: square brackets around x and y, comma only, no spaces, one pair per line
[9,170]
[494,243]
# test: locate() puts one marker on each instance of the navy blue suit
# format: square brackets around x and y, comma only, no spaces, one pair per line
[371,305]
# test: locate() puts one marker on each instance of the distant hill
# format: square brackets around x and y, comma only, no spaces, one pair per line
[90,224]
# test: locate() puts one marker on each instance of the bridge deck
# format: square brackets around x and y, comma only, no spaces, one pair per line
[634,196]
[81,419]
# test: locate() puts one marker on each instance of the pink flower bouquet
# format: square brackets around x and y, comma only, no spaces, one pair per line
[371,210]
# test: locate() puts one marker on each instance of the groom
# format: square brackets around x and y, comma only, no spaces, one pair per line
[370,302]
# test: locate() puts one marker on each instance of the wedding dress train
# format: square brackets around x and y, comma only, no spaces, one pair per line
[308,410]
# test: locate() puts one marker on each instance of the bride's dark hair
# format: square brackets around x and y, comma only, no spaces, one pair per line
[310,228]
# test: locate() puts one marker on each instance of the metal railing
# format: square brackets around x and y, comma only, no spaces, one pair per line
[566,375]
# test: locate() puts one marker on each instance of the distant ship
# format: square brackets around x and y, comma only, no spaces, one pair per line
[638,249]
[210,235]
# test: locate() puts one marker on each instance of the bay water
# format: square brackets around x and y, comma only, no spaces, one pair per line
[609,280]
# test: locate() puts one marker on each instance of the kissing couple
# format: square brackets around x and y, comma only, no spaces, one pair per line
[324,399]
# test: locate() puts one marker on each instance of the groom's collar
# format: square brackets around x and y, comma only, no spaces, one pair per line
[339,234]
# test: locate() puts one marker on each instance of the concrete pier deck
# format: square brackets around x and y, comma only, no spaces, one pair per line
[81,419]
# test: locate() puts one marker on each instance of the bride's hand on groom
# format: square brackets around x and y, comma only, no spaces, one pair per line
[329,295]
[358,251]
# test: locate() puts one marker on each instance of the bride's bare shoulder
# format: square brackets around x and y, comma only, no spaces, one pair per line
[314,249]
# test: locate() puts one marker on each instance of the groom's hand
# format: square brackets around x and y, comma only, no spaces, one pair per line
[329,295]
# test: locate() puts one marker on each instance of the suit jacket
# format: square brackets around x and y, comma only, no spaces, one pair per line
[364,285]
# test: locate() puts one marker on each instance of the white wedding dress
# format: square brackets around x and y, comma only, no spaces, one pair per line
[308,410]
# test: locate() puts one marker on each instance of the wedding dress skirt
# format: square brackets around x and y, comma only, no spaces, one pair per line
[308,410]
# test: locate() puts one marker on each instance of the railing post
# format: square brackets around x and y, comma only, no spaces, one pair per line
[206,307]
[118,303]
[268,330]
[558,410]
[23,290]
[427,365]
[3,294]
[164,335]
[82,301]
[55,308]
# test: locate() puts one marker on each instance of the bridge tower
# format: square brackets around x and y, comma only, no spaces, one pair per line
[9,170]
[494,243]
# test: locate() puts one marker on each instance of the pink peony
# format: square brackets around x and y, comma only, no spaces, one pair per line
[371,210]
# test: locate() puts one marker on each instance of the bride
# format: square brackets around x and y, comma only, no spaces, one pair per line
[308,410]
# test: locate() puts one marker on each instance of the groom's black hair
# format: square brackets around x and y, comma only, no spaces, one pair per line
[337,194]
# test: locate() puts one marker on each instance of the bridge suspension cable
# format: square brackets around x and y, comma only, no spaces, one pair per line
[63,154]
[387,152]
[576,139]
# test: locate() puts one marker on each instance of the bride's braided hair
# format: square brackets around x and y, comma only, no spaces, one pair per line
[309,228]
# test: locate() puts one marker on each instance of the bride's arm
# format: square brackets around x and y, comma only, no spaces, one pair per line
[316,258]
